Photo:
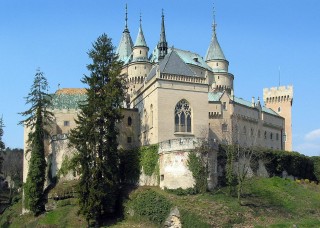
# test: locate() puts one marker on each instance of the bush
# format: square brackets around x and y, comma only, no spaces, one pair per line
[150,205]
[182,192]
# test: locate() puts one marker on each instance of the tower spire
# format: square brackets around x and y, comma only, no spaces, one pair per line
[125,46]
[126,19]
[214,25]
[162,45]
[214,51]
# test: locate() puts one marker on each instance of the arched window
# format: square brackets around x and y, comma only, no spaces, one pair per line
[182,117]
[129,121]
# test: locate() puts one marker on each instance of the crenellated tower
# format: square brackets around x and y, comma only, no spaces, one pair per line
[280,100]
[219,64]
[138,64]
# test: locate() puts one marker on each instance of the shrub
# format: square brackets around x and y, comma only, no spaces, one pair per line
[150,205]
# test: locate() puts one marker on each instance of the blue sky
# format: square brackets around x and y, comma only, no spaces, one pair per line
[257,38]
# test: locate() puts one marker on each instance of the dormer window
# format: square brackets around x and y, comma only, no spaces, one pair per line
[195,59]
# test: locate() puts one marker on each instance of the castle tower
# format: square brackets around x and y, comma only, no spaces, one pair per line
[219,64]
[162,45]
[124,49]
[280,100]
[138,64]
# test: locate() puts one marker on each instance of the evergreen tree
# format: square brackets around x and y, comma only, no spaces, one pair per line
[95,136]
[2,146]
[38,120]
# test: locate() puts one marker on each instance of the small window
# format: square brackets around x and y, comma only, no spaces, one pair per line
[271,136]
[224,127]
[259,134]
[265,135]
[129,139]
[162,177]
[140,52]
[66,123]
[244,131]
[224,106]
[251,132]
[279,109]
[277,136]
[129,121]
[217,64]
[284,137]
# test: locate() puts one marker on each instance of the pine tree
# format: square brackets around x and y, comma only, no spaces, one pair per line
[95,136]
[38,120]
[2,146]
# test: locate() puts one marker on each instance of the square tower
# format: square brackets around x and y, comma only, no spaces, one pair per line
[280,99]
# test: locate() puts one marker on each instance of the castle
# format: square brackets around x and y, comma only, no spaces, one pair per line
[176,97]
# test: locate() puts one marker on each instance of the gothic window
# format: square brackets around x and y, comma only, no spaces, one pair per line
[182,117]
[66,123]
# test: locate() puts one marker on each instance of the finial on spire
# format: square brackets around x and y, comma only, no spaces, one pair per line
[162,45]
[140,19]
[126,17]
[214,25]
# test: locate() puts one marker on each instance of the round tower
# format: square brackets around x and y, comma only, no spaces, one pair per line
[280,100]
[219,65]
[138,65]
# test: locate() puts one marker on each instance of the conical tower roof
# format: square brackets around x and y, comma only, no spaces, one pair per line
[140,41]
[124,49]
[214,51]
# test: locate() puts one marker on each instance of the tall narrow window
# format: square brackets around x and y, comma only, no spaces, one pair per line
[182,117]
[129,121]
[151,115]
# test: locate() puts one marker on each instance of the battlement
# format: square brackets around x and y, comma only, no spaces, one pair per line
[278,94]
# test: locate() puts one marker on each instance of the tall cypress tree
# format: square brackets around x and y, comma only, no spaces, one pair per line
[38,120]
[95,136]
[2,146]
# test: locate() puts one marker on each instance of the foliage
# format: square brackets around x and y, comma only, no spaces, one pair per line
[199,171]
[13,165]
[151,205]
[66,166]
[276,161]
[316,163]
[129,166]
[38,120]
[190,220]
[2,146]
[182,192]
[149,159]
[95,137]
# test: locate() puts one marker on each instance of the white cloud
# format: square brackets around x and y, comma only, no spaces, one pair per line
[313,135]
[309,149]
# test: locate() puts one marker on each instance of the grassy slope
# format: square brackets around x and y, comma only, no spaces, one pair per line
[270,202]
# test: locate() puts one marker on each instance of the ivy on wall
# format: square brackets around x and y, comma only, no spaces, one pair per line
[199,171]
[149,159]
[275,161]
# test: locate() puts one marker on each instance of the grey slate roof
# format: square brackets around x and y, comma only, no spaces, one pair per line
[187,56]
[214,96]
[140,41]
[214,51]
[125,46]
[171,64]
[249,104]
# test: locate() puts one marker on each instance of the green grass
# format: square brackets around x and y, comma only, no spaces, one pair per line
[272,202]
